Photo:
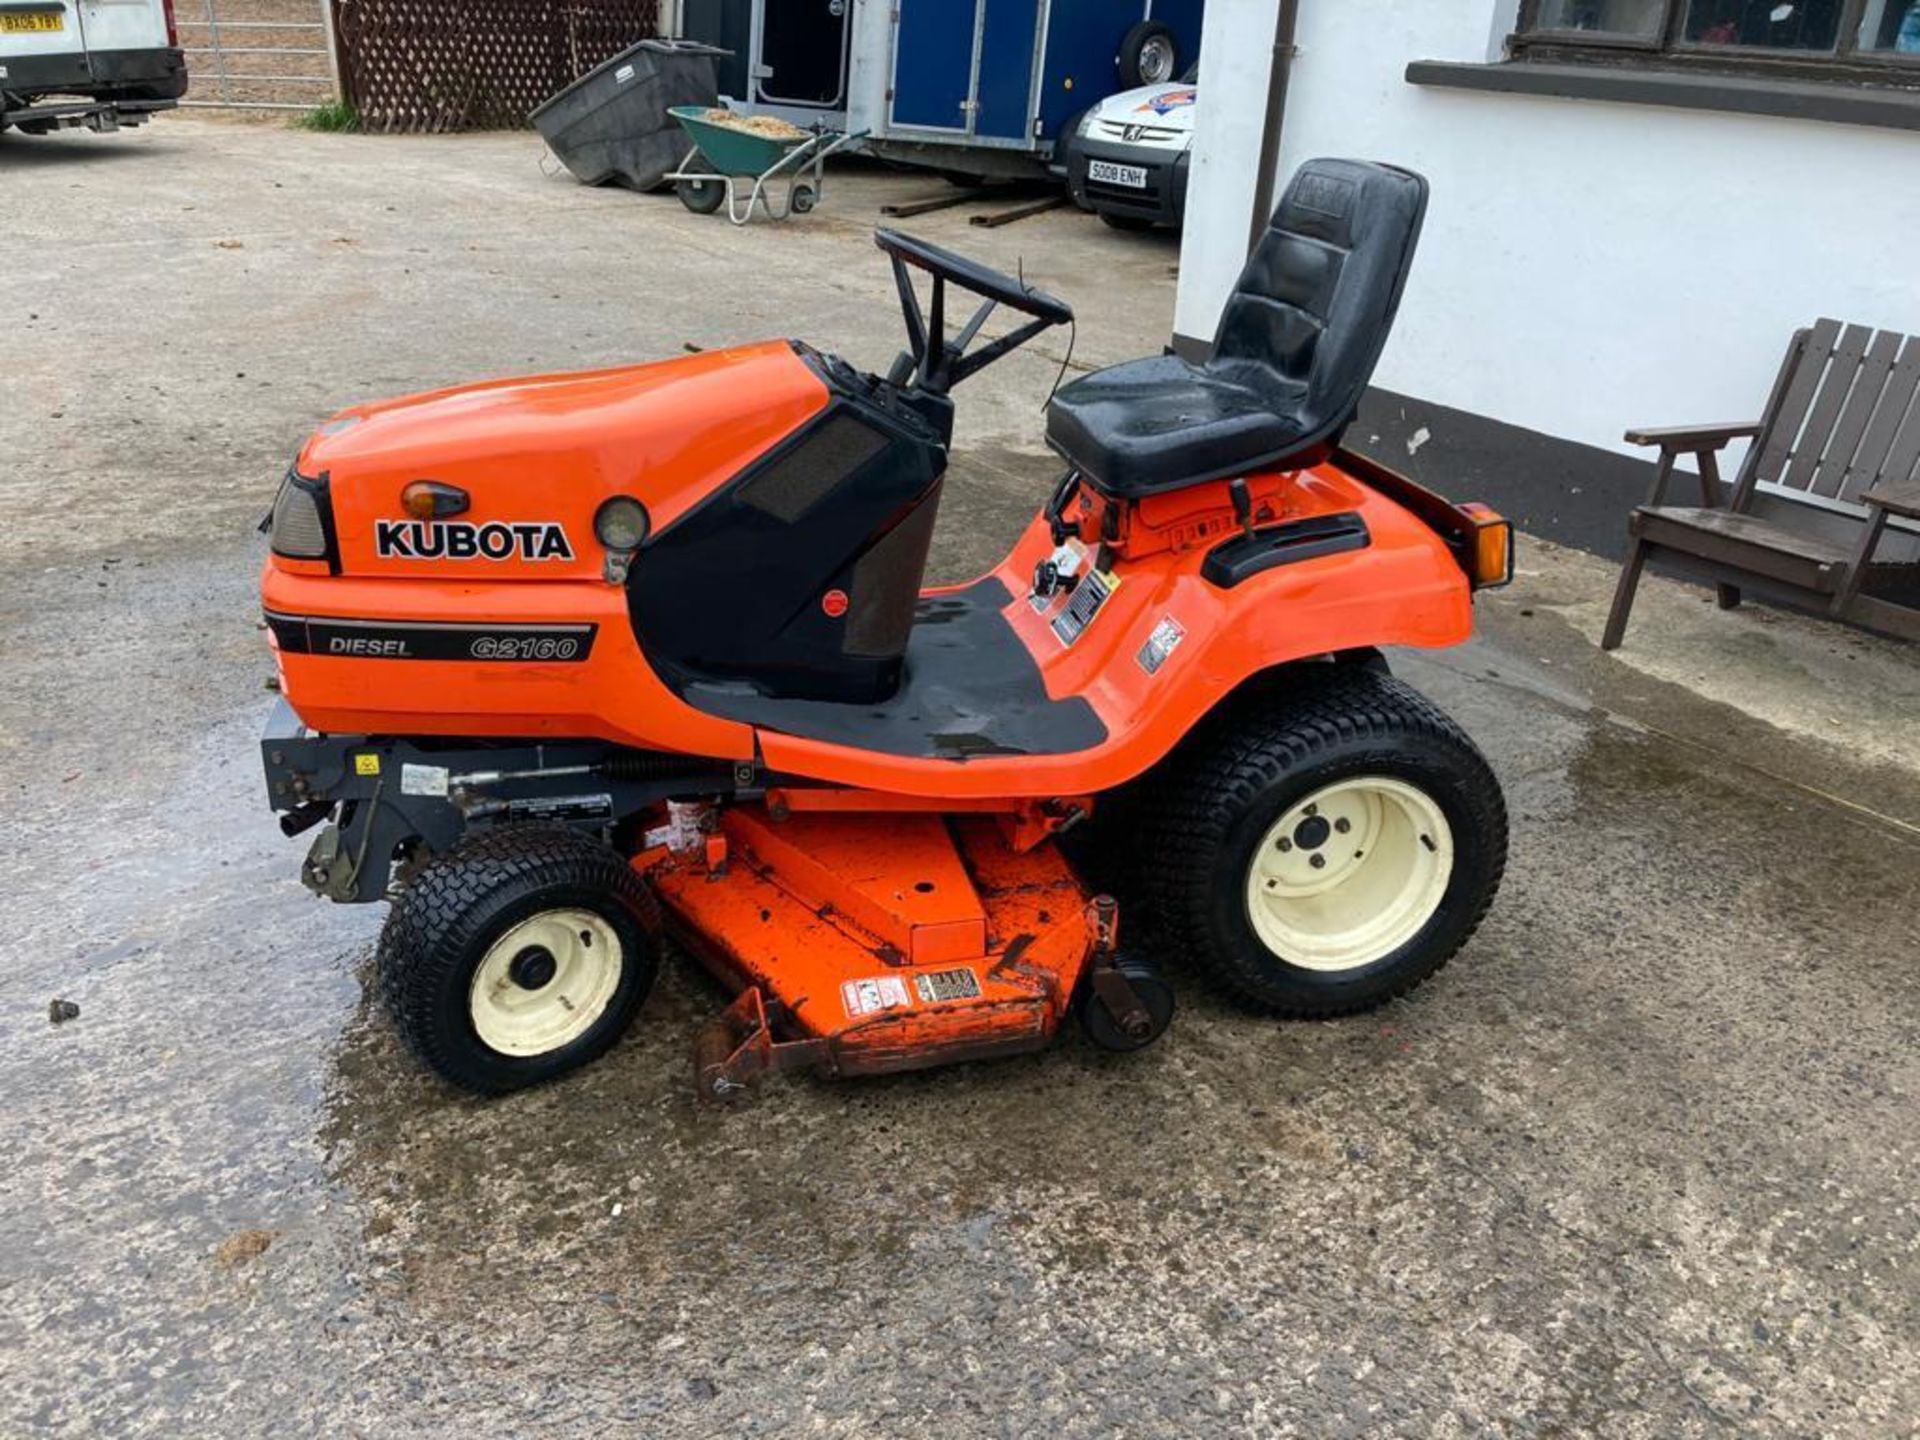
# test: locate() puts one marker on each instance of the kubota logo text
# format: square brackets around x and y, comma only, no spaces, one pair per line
[462,540]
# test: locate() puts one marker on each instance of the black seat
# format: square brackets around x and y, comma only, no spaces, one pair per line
[1296,345]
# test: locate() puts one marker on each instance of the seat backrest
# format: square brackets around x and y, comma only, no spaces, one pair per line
[1844,413]
[1310,313]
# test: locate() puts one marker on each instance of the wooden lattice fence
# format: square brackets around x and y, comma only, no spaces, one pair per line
[474,64]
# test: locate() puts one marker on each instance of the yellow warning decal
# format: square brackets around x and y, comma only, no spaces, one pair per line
[366,764]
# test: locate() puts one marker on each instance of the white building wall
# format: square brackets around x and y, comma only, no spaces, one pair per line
[1585,265]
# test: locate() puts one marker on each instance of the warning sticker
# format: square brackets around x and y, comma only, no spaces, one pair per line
[423,780]
[938,985]
[365,764]
[864,997]
[1160,644]
[1088,596]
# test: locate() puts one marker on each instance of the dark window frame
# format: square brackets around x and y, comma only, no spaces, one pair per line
[1668,48]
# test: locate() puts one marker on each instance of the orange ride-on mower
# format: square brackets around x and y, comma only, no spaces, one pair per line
[577,662]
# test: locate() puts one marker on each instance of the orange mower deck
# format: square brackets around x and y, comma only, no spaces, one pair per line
[877,942]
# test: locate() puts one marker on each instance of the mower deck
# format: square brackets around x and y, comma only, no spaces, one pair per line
[875,943]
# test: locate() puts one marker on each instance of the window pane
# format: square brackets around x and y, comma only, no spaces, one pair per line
[1640,18]
[1891,25]
[1765,24]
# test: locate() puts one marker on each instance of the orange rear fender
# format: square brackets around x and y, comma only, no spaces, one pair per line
[1404,588]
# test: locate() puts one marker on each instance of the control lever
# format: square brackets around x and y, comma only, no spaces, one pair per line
[1242,505]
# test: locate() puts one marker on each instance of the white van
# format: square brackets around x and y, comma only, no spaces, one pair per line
[1127,157]
[97,63]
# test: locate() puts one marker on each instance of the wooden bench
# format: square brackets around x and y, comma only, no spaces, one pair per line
[1841,426]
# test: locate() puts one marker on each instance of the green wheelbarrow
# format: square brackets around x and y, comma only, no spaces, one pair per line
[723,154]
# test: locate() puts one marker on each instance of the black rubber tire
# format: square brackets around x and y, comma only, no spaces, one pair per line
[804,199]
[702,197]
[1127,62]
[1129,223]
[1214,799]
[461,902]
[1098,1024]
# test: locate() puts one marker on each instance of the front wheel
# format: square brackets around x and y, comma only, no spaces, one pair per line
[518,956]
[1322,850]
[702,196]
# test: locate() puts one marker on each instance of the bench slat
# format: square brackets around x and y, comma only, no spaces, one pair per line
[1836,465]
[1905,451]
[1903,385]
[1783,425]
[1812,443]
[1745,542]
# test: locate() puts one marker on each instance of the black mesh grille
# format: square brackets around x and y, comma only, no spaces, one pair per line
[792,484]
[886,584]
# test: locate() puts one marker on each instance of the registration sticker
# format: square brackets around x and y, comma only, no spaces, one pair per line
[939,985]
[864,997]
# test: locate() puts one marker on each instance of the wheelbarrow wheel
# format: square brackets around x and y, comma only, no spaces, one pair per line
[804,199]
[518,956]
[1323,844]
[703,196]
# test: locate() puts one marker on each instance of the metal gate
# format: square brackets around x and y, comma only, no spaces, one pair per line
[258,54]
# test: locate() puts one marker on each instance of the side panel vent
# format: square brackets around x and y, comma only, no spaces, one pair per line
[798,480]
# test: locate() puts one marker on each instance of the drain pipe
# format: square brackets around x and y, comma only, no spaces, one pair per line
[1277,78]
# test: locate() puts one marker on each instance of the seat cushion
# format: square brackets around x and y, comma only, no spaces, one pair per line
[1154,424]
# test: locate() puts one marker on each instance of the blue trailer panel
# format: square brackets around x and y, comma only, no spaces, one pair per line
[1083,37]
[932,64]
[1005,92]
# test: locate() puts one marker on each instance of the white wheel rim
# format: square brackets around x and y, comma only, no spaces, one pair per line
[1385,855]
[523,1004]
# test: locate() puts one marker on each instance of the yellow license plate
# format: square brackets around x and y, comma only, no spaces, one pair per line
[28,24]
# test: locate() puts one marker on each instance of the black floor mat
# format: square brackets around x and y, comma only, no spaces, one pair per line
[971,689]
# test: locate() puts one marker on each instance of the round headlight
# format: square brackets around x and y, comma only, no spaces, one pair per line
[621,523]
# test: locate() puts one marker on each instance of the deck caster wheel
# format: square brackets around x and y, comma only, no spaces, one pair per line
[804,199]
[1108,1028]
[518,956]
[1322,848]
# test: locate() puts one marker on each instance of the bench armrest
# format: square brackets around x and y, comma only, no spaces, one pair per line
[1902,497]
[1693,437]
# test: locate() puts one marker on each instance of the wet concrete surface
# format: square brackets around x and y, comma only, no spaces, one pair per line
[1641,1161]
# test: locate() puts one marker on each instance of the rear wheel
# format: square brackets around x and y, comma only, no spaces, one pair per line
[1321,850]
[520,955]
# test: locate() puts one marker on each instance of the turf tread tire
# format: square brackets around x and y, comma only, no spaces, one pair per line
[439,927]
[1266,736]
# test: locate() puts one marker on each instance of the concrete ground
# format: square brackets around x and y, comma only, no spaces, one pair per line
[1642,1162]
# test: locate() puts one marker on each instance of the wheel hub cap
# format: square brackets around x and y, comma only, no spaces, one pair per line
[1350,874]
[545,982]
[533,968]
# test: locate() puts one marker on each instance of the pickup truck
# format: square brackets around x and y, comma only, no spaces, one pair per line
[98,63]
